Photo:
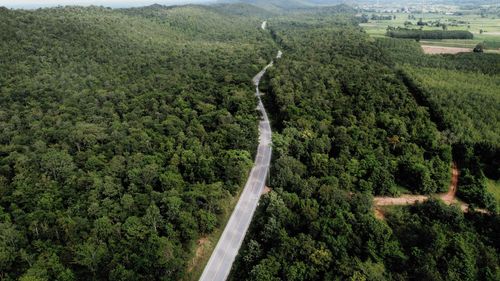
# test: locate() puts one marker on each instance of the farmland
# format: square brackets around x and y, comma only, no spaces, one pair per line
[485,29]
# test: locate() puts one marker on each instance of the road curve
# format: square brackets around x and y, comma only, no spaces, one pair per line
[221,261]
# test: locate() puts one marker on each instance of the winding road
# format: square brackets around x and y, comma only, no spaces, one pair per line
[221,261]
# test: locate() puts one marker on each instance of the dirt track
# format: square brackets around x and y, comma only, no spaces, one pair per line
[448,198]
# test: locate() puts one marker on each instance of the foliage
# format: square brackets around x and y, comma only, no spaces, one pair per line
[123,133]
[407,51]
[441,244]
[340,111]
[428,34]
[461,93]
[449,89]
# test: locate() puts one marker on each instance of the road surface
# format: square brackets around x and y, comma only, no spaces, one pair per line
[221,261]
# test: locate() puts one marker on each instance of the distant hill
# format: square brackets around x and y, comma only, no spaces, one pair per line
[280,5]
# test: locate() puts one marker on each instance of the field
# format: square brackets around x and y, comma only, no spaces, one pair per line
[490,26]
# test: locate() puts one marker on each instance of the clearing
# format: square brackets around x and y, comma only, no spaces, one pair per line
[449,198]
[434,50]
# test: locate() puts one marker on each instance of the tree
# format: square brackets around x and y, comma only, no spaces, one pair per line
[58,164]
[479,48]
[90,255]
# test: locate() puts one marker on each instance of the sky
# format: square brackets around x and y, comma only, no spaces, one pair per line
[32,4]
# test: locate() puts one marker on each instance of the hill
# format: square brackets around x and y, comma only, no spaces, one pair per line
[123,136]
[284,5]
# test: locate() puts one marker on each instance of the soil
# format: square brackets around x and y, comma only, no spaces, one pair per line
[450,196]
[200,250]
[434,50]
[266,190]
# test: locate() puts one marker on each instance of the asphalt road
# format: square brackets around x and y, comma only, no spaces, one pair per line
[225,252]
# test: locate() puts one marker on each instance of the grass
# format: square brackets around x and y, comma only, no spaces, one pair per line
[494,189]
[402,190]
[201,252]
[474,24]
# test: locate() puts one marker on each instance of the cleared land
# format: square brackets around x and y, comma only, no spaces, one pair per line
[434,50]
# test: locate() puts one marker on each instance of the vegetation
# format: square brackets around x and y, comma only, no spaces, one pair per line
[409,52]
[481,21]
[494,188]
[123,133]
[461,93]
[428,34]
[448,89]
[348,127]
[347,122]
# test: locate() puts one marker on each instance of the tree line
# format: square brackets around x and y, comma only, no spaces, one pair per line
[428,34]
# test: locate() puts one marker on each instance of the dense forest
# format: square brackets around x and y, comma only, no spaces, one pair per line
[348,127]
[123,133]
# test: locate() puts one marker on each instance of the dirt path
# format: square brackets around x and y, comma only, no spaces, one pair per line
[448,198]
[451,196]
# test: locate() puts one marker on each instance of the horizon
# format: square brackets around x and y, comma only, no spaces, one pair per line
[35,4]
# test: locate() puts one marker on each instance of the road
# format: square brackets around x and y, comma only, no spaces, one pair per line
[221,261]
[263,26]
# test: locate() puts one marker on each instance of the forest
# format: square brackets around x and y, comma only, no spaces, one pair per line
[348,126]
[461,93]
[126,133]
[123,135]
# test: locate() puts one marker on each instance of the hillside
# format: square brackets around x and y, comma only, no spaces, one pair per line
[284,5]
[121,132]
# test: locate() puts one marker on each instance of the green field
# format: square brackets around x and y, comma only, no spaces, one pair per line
[473,23]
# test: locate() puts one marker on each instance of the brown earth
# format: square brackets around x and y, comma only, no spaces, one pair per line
[450,196]
[201,246]
[266,190]
[434,50]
